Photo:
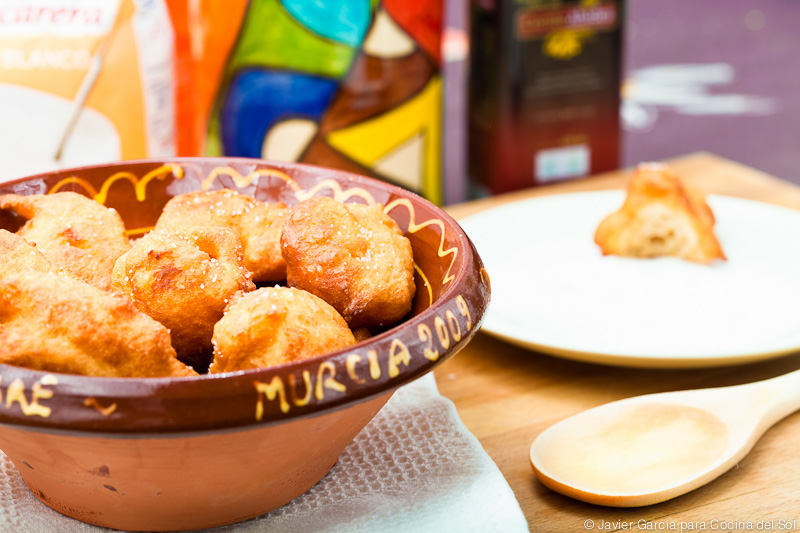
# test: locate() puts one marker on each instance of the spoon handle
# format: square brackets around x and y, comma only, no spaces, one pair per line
[781,397]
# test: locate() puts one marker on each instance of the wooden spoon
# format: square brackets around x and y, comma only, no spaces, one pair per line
[648,449]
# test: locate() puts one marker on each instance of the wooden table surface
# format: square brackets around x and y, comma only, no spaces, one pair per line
[507,395]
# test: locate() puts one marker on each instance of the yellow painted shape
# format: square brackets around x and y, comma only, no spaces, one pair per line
[374,366]
[301,402]
[16,394]
[241,182]
[352,360]
[273,389]
[398,354]
[105,411]
[245,181]
[139,185]
[425,283]
[413,227]
[327,382]
[369,141]
[139,231]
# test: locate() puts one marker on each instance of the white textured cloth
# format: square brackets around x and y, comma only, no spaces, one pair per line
[415,467]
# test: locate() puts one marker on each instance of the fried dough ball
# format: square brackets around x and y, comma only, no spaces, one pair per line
[258,225]
[352,256]
[184,279]
[59,324]
[660,217]
[272,326]
[362,334]
[72,231]
[18,255]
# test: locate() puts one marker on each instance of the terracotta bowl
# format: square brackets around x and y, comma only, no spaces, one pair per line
[190,453]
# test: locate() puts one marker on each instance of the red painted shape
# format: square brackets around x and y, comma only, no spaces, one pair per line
[422,20]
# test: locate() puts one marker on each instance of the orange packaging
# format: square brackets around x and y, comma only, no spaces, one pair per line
[83,82]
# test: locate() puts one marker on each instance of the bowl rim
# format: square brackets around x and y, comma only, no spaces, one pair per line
[185,388]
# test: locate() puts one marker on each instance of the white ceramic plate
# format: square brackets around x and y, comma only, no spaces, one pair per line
[553,290]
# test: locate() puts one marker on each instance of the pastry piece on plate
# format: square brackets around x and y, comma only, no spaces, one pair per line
[660,217]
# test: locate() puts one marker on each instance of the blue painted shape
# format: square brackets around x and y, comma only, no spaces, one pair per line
[257,99]
[345,21]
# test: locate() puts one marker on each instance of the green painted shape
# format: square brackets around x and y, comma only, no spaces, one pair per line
[271,37]
[213,146]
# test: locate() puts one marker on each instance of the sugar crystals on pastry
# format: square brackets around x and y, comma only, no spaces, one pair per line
[258,225]
[18,255]
[73,231]
[59,324]
[353,256]
[184,279]
[276,325]
[660,217]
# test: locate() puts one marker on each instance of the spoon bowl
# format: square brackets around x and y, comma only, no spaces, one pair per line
[648,449]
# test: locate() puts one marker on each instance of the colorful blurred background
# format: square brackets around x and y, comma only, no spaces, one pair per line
[379,87]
